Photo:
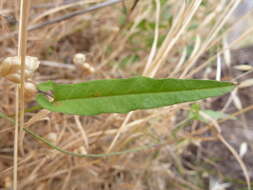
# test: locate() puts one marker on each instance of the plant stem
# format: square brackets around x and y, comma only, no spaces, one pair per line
[90,155]
[20,112]
[15,160]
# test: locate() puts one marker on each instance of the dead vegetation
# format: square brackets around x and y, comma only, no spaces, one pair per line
[177,39]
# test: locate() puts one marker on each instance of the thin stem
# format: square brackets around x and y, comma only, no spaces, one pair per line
[22,48]
[15,160]
[20,112]
[144,147]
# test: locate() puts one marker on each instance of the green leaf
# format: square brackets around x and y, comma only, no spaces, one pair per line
[124,95]
[46,86]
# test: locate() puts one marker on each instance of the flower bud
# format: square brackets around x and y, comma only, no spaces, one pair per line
[30,90]
[10,68]
[88,68]
[14,77]
[79,59]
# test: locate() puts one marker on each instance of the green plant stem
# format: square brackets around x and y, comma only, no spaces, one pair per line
[88,155]
[31,109]
[7,117]
[77,154]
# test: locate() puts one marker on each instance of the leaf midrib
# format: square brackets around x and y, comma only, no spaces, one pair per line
[141,93]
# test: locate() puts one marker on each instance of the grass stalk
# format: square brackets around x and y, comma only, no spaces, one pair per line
[22,46]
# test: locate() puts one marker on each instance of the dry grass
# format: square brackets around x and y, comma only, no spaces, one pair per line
[157,39]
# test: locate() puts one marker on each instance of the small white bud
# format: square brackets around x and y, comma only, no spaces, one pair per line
[87,67]
[79,59]
[14,77]
[30,90]
[10,68]
[31,63]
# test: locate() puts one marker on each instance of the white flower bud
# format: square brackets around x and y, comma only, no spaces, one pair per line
[14,77]
[10,68]
[31,63]
[30,90]
[87,67]
[79,59]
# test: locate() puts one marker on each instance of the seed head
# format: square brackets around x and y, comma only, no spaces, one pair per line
[10,68]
